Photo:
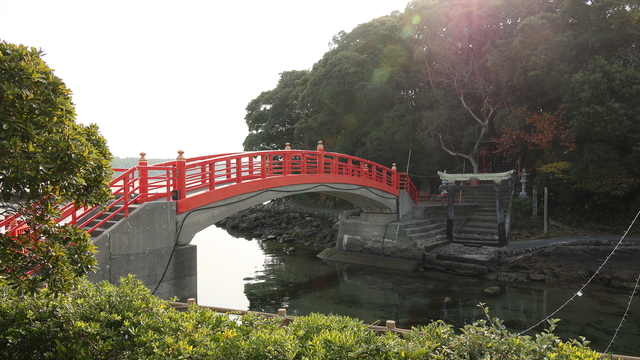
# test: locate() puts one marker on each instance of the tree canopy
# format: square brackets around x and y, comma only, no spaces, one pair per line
[46,159]
[536,82]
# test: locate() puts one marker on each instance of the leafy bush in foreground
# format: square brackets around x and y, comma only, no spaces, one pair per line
[102,321]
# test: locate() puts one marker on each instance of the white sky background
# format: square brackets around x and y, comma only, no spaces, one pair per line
[159,76]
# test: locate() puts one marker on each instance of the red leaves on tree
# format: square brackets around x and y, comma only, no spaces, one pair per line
[541,131]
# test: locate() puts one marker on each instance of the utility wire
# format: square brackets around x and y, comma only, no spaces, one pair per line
[626,311]
[579,292]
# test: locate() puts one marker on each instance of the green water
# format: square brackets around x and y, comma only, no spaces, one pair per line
[263,276]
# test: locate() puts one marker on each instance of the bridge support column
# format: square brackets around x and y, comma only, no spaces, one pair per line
[144,244]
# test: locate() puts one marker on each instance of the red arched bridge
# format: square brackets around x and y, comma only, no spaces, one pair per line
[228,183]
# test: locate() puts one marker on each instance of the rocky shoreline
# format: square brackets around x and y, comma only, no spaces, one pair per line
[565,262]
[575,264]
[288,222]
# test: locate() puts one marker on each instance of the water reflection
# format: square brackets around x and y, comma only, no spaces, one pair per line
[265,276]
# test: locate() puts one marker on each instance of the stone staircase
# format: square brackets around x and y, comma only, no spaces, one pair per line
[109,223]
[479,226]
[427,233]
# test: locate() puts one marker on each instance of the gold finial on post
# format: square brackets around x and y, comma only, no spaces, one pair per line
[320,146]
[287,146]
[142,157]
[180,157]
[393,167]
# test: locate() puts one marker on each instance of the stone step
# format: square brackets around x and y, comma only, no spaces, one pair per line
[416,224]
[428,234]
[423,229]
[482,217]
[456,267]
[109,223]
[476,240]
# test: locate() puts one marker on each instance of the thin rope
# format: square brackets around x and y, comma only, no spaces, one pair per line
[626,312]
[579,292]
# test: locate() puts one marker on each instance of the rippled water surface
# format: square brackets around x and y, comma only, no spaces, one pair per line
[238,273]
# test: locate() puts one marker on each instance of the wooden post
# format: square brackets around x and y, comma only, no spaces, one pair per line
[546,197]
[391,324]
[502,234]
[450,212]
[143,176]
[283,313]
[191,301]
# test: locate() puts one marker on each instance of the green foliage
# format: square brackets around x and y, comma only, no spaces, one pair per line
[271,116]
[46,159]
[549,81]
[103,321]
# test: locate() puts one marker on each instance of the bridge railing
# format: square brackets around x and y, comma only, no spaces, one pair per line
[181,178]
[217,172]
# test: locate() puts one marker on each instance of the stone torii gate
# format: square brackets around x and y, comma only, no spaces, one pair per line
[455,182]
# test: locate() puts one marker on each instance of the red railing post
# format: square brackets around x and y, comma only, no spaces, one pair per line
[320,149]
[286,164]
[395,181]
[212,176]
[181,179]
[143,176]
[203,174]
[238,170]
[263,166]
[125,196]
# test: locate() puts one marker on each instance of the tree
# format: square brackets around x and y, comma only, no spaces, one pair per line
[454,39]
[272,116]
[46,159]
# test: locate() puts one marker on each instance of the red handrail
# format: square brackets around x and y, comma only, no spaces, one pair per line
[183,179]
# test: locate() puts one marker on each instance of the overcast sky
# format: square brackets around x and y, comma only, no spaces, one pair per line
[159,76]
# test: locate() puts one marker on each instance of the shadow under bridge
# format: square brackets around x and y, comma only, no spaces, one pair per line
[370,200]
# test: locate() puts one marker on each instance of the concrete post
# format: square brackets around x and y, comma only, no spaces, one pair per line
[546,197]
[181,180]
[502,233]
[450,212]
[523,181]
[143,175]
[534,198]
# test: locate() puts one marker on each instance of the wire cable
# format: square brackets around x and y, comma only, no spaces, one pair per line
[626,311]
[579,292]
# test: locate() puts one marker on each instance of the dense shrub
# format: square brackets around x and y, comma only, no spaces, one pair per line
[102,321]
